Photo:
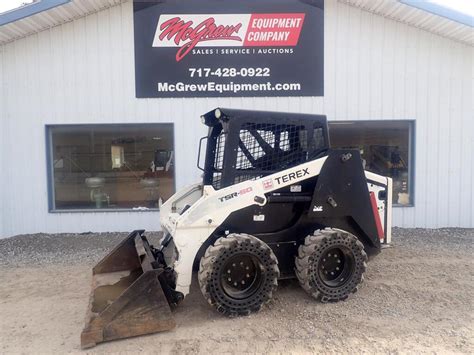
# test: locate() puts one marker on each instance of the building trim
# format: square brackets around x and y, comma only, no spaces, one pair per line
[442,11]
[29,10]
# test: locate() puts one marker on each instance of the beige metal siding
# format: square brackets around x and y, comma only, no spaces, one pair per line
[375,68]
[3,204]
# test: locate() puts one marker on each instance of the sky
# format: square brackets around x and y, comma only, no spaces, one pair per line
[6,5]
[463,6]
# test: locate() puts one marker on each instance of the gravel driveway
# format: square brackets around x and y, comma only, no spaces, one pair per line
[417,298]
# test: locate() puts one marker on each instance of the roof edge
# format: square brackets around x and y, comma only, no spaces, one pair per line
[442,11]
[29,10]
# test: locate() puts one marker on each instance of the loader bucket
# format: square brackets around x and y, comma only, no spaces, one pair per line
[127,298]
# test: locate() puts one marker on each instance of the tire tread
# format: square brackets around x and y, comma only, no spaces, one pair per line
[206,266]
[303,261]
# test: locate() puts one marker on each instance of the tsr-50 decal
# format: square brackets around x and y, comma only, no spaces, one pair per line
[235,194]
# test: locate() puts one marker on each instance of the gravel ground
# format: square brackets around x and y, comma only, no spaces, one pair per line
[62,248]
[417,298]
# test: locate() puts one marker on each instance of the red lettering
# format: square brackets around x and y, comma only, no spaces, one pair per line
[205,31]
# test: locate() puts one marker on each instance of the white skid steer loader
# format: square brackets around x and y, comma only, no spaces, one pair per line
[275,202]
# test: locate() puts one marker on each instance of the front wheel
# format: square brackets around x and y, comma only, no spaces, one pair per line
[330,264]
[238,274]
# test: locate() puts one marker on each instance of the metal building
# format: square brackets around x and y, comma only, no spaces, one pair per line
[72,63]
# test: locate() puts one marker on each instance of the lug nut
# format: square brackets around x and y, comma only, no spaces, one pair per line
[228,271]
[243,282]
[247,276]
[337,268]
[229,279]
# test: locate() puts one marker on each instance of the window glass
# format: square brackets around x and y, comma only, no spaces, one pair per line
[318,139]
[385,147]
[111,166]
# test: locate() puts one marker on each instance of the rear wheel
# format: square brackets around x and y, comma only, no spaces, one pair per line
[330,264]
[238,274]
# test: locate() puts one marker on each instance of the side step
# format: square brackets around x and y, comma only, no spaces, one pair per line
[127,298]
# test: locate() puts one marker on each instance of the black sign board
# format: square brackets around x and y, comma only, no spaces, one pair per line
[207,48]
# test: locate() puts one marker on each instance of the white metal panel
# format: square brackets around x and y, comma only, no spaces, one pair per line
[375,68]
[2,140]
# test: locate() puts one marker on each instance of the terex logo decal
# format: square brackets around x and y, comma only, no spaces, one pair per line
[292,176]
[267,184]
[227,30]
[235,194]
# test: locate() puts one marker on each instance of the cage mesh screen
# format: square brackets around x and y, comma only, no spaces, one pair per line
[219,160]
[265,148]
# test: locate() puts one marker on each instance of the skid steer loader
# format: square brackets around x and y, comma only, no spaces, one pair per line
[275,202]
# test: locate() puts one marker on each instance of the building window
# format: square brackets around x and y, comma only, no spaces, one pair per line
[100,167]
[386,149]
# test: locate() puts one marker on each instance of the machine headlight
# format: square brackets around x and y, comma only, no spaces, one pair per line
[203,119]
[217,113]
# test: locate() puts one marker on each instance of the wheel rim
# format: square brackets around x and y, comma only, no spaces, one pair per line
[336,266]
[241,276]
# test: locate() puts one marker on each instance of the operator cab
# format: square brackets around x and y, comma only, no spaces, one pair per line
[246,145]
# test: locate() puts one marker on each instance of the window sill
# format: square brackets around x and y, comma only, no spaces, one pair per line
[102,210]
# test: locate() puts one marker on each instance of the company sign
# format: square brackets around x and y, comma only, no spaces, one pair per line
[187,32]
[219,48]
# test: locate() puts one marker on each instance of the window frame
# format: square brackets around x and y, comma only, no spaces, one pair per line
[50,166]
[411,151]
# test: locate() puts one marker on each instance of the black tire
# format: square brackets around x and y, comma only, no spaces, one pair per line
[238,274]
[330,264]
